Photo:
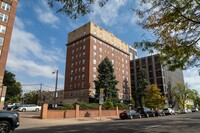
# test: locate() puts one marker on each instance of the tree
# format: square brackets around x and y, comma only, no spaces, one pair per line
[106,79]
[154,98]
[175,23]
[171,95]
[74,8]
[142,84]
[183,93]
[14,89]
[31,97]
[194,95]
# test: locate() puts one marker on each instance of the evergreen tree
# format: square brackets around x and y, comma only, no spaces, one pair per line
[107,80]
[142,83]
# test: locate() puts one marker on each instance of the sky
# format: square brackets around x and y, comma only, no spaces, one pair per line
[39,38]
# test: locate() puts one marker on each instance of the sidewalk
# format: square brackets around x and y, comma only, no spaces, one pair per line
[41,123]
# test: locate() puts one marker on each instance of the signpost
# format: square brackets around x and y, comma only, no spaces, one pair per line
[101,100]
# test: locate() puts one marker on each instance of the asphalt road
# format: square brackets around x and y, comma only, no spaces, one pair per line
[184,123]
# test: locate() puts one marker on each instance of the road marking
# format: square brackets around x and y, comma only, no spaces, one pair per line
[153,126]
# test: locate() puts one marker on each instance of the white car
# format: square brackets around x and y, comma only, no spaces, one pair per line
[169,111]
[28,107]
[195,110]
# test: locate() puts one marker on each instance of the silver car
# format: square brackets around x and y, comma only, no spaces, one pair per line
[28,107]
[169,111]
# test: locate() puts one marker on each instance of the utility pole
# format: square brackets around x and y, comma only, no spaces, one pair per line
[41,100]
[56,85]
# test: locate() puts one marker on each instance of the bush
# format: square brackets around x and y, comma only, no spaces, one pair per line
[108,105]
[86,106]
[122,106]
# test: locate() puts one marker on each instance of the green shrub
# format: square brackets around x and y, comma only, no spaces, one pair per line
[108,105]
[122,106]
[86,106]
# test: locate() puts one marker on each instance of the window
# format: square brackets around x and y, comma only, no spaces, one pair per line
[80,55]
[75,78]
[71,79]
[75,70]
[2,29]
[94,61]
[74,85]
[83,61]
[95,47]
[122,65]
[100,56]
[5,6]
[83,53]
[79,69]
[94,54]
[78,85]
[95,41]
[82,84]
[72,64]
[94,77]
[70,86]
[100,49]
[83,46]
[112,55]
[94,69]
[79,77]
[71,72]
[72,58]
[112,61]
[83,69]
[79,62]
[83,77]
[3,17]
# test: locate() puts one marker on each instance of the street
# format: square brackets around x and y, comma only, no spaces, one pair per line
[184,123]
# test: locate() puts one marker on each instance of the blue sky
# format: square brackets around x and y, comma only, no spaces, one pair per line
[38,44]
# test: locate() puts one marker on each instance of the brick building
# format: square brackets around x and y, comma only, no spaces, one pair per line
[156,73]
[87,46]
[7,16]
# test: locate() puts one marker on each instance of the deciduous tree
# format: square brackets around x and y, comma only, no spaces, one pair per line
[14,89]
[154,98]
[183,93]
[175,24]
[31,97]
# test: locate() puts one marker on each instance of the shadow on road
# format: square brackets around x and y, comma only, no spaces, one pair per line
[178,124]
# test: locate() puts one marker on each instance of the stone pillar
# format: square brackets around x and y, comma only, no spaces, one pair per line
[100,110]
[77,111]
[2,96]
[117,111]
[44,111]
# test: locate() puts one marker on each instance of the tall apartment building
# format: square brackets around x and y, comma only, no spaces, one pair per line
[7,16]
[156,73]
[87,46]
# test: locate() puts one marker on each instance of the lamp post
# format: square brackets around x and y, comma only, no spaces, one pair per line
[55,87]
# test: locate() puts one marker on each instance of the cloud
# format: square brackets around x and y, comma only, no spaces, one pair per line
[45,15]
[192,77]
[28,56]
[107,14]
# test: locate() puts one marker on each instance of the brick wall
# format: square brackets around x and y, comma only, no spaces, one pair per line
[53,114]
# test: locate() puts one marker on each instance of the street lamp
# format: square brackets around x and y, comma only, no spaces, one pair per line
[55,87]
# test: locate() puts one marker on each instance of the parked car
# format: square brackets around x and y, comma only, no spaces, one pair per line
[169,111]
[195,109]
[28,107]
[130,114]
[159,112]
[184,111]
[146,112]
[9,120]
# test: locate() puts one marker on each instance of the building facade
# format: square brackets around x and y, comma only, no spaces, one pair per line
[49,97]
[156,73]
[7,16]
[87,46]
